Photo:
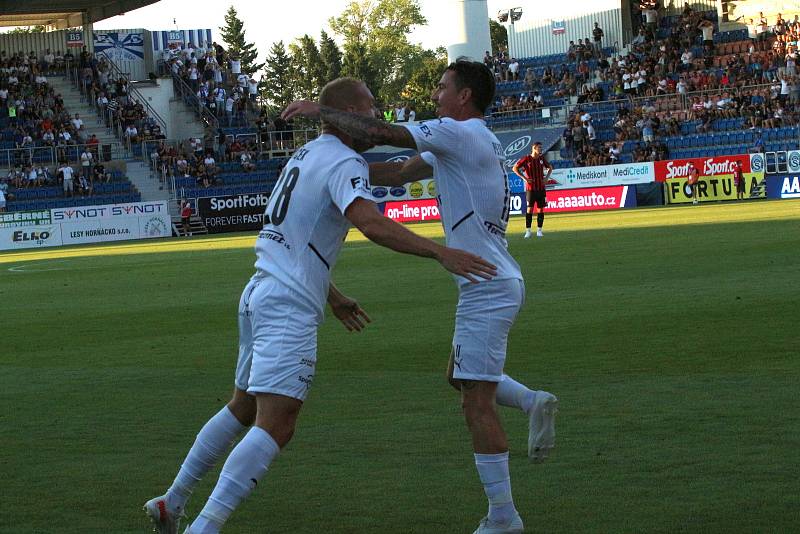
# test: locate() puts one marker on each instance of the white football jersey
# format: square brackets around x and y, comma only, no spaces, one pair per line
[304,222]
[471,181]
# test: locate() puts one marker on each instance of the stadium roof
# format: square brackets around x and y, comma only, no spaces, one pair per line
[63,13]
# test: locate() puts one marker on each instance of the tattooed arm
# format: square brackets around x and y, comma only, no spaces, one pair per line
[369,129]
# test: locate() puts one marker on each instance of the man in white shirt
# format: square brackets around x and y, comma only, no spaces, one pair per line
[77,123]
[323,189]
[67,174]
[468,165]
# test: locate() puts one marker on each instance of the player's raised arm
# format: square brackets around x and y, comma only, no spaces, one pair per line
[399,173]
[368,129]
[387,233]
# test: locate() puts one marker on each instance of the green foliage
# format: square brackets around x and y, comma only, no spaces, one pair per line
[27,29]
[498,35]
[375,36]
[278,84]
[331,57]
[233,35]
[308,68]
[428,66]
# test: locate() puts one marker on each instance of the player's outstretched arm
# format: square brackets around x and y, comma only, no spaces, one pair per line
[391,173]
[347,310]
[369,129]
[387,233]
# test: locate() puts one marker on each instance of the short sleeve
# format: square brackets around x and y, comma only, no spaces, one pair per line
[349,182]
[438,136]
[428,158]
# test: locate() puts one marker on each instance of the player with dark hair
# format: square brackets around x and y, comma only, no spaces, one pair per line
[323,189]
[692,179]
[467,163]
[532,169]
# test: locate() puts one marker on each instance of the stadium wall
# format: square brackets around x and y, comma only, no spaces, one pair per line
[35,42]
[533,37]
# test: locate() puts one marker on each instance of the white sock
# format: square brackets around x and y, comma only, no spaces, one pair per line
[213,440]
[514,395]
[245,466]
[493,472]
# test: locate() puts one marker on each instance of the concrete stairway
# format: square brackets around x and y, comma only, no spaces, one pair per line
[72,101]
[137,171]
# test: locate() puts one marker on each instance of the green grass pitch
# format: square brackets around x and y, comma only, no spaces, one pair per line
[670,336]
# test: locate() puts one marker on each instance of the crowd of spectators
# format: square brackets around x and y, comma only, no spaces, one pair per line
[33,118]
[198,158]
[216,79]
[660,84]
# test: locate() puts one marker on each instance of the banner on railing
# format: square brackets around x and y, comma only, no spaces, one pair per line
[37,236]
[714,166]
[17,219]
[783,186]
[602,176]
[234,213]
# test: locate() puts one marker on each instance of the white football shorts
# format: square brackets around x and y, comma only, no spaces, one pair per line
[485,313]
[277,340]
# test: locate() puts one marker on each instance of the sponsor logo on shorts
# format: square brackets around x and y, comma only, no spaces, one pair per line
[308,380]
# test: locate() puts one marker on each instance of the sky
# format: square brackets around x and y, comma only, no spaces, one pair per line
[267,21]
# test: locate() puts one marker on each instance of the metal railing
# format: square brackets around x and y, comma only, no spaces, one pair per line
[53,155]
[134,93]
[665,102]
[185,93]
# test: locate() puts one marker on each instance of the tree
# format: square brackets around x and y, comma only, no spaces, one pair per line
[498,35]
[233,35]
[376,45]
[331,57]
[429,66]
[356,63]
[309,71]
[27,29]
[278,83]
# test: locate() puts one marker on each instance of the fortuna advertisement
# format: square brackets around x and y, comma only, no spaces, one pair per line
[716,178]
[235,213]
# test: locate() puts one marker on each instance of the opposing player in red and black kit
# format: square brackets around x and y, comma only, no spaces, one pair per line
[532,169]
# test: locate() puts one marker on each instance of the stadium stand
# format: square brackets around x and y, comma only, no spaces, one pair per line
[38,135]
[675,93]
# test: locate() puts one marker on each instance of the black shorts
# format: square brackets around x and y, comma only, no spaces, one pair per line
[536,197]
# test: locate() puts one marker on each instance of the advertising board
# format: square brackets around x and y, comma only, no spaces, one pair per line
[24,218]
[783,186]
[412,210]
[602,176]
[234,213]
[27,237]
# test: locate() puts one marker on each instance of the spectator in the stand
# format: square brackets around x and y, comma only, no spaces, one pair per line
[87,160]
[707,29]
[597,36]
[513,70]
[412,113]
[85,187]
[65,172]
[131,134]
[246,160]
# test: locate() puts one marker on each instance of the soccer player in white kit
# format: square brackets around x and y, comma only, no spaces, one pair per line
[322,190]
[467,162]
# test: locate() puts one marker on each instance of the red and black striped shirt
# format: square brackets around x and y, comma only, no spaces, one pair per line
[532,170]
